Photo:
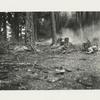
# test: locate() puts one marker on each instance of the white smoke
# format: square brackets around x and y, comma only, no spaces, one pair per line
[81,35]
[72,35]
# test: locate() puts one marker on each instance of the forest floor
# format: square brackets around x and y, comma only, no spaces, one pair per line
[29,71]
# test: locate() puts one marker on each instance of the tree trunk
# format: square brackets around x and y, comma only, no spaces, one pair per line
[15,28]
[4,28]
[15,32]
[35,26]
[30,27]
[53,24]
[30,31]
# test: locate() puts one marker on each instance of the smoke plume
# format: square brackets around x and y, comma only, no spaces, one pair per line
[82,34]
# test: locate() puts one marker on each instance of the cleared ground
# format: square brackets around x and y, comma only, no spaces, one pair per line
[38,71]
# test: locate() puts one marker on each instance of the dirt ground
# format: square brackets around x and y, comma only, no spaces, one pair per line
[29,71]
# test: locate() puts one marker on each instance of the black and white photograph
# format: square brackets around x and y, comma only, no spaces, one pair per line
[50,50]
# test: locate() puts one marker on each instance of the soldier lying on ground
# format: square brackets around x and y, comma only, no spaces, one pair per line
[86,45]
[62,41]
[89,47]
[92,49]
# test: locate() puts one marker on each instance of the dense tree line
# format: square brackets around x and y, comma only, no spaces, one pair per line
[43,24]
